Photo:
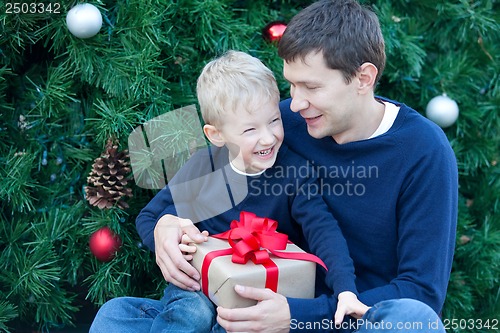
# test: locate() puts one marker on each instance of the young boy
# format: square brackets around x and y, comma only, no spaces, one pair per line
[247,169]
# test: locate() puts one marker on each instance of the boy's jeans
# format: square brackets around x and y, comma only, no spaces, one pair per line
[178,311]
[187,311]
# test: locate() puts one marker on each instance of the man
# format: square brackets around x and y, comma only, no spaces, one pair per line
[388,174]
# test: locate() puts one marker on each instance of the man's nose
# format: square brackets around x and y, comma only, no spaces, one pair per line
[298,103]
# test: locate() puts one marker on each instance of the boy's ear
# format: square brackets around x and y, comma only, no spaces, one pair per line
[214,135]
[366,76]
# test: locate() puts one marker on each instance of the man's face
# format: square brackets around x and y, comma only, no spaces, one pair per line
[321,96]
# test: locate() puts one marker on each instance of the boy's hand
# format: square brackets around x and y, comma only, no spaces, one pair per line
[349,305]
[168,235]
[186,246]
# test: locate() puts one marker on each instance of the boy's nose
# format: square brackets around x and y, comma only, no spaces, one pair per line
[267,138]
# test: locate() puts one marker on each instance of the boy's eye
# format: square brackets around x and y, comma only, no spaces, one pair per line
[248,130]
[275,120]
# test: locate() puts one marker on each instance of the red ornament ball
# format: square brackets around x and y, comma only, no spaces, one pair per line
[104,243]
[273,31]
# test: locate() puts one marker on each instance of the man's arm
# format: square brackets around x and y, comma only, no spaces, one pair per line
[427,220]
[173,265]
[277,314]
[271,314]
[161,231]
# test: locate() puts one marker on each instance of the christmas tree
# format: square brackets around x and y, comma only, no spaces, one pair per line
[71,95]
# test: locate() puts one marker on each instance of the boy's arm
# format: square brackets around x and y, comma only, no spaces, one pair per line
[161,230]
[186,246]
[179,188]
[349,305]
[324,236]
[161,207]
[148,217]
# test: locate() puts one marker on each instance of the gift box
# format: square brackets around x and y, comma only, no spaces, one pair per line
[253,254]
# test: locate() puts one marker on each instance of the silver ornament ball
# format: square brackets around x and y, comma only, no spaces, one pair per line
[442,110]
[84,20]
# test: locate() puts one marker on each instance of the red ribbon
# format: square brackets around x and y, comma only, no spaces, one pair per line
[253,238]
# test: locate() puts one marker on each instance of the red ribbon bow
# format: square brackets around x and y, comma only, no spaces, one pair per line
[252,238]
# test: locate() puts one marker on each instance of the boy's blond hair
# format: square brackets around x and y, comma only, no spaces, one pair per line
[234,80]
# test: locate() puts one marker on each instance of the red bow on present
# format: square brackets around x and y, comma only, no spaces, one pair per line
[254,237]
[251,237]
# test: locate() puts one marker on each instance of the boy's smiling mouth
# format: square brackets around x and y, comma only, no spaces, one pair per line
[265,152]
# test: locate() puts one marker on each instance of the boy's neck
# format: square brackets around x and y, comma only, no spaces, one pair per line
[244,173]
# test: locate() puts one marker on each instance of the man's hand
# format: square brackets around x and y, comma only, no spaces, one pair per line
[271,314]
[174,267]
[349,305]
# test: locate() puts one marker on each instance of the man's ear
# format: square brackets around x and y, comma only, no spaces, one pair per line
[214,135]
[366,75]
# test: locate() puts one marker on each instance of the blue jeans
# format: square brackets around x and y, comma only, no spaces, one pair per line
[178,311]
[188,311]
[400,315]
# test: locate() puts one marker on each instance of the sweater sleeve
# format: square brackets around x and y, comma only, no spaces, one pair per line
[323,235]
[312,315]
[427,218]
[145,222]
[179,187]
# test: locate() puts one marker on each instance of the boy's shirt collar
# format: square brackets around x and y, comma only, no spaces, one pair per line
[244,173]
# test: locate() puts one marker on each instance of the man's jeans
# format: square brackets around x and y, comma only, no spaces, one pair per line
[187,311]
[400,315]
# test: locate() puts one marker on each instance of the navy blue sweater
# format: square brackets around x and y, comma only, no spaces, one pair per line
[208,191]
[396,199]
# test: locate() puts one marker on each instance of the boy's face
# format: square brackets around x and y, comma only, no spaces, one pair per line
[253,139]
[321,96]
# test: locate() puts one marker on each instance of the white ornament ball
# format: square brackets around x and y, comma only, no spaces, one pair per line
[442,110]
[84,20]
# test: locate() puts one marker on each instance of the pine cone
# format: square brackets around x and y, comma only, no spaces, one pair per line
[108,179]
